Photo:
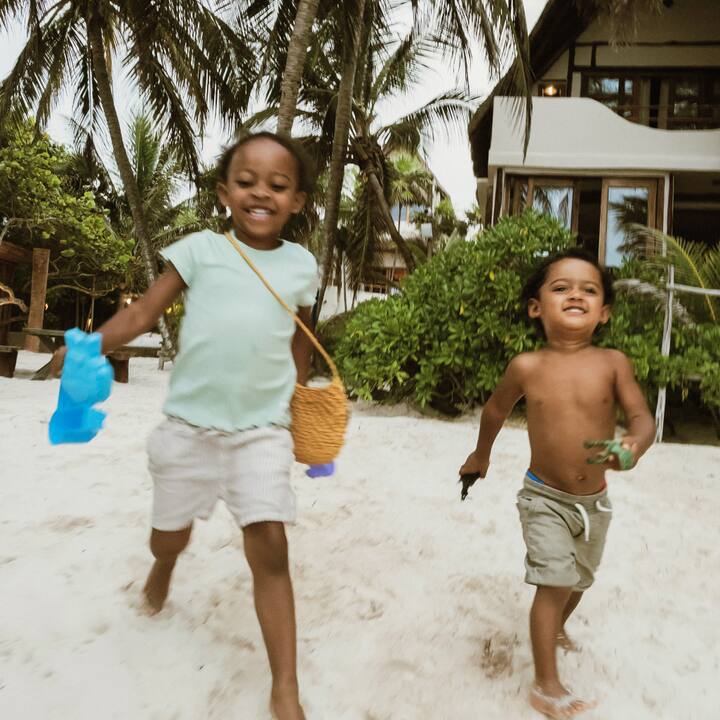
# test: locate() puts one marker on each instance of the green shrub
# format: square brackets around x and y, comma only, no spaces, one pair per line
[446,339]
[329,332]
[636,328]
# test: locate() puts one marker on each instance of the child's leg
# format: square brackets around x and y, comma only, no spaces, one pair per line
[546,618]
[563,640]
[571,604]
[545,624]
[267,554]
[165,546]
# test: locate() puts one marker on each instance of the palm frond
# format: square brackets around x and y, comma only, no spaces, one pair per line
[365,230]
[688,258]
[402,68]
[449,112]
[633,286]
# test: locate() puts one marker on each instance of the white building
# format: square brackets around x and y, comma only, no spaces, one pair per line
[634,124]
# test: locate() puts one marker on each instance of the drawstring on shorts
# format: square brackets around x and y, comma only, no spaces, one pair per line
[586,518]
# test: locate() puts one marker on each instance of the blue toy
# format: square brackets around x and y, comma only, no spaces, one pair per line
[86,379]
[321,470]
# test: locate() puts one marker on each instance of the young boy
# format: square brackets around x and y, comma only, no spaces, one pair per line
[572,390]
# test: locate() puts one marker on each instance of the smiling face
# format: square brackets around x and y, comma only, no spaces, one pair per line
[261,190]
[571,298]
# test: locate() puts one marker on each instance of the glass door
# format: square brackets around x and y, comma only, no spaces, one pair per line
[625,201]
[554,197]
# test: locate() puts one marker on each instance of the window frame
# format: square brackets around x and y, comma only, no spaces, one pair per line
[653,186]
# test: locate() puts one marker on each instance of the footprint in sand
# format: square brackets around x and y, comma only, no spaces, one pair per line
[371,611]
[497,655]
[66,523]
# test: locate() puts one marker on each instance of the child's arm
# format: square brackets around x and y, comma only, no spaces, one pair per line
[302,347]
[640,422]
[494,414]
[137,318]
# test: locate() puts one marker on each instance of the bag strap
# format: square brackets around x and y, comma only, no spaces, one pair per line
[298,321]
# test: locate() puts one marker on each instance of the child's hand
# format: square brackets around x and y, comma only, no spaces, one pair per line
[631,443]
[57,362]
[475,464]
[620,454]
[474,467]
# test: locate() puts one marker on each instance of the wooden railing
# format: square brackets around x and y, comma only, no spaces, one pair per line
[662,116]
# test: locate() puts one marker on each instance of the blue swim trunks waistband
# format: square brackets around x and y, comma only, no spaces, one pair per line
[532,476]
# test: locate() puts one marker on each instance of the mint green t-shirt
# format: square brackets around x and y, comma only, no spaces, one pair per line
[235,369]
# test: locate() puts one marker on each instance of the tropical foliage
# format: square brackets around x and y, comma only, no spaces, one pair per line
[447,338]
[40,206]
[696,265]
[184,59]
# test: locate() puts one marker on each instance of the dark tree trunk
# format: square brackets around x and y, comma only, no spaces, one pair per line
[122,160]
[297,52]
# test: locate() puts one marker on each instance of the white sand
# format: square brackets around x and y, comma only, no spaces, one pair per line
[411,605]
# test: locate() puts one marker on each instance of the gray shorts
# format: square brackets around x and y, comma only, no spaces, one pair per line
[564,535]
[192,468]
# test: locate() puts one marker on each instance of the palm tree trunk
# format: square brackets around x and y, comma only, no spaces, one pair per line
[343,116]
[129,181]
[297,52]
[384,208]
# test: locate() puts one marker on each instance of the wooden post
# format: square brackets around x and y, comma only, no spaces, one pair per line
[40,265]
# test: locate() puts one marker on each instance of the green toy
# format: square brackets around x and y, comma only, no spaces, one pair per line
[612,447]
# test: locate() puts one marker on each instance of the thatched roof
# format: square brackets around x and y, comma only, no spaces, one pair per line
[557,27]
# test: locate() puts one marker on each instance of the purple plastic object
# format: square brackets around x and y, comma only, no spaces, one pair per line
[87,378]
[321,470]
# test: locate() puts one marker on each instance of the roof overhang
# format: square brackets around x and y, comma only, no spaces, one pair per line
[557,27]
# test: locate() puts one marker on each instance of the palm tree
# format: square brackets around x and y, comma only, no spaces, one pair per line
[292,75]
[354,28]
[354,20]
[452,24]
[184,59]
[373,145]
[412,183]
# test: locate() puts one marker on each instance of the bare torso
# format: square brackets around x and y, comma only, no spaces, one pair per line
[570,399]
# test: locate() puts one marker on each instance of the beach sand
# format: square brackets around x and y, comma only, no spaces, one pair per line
[411,605]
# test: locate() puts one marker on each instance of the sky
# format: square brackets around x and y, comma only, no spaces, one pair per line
[448,157]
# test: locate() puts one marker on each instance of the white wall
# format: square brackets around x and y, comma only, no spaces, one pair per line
[334,305]
[582,134]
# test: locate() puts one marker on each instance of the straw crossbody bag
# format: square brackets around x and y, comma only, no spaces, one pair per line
[319,415]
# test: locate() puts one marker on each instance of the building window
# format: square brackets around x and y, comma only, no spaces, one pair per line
[625,202]
[554,198]
[597,210]
[693,103]
[552,88]
[547,196]
[617,92]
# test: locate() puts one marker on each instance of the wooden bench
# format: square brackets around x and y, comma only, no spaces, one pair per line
[120,359]
[8,360]
[51,340]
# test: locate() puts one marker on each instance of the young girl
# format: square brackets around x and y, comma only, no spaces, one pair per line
[226,432]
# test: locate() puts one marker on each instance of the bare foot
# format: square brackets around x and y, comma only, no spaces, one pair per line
[157,586]
[565,642]
[558,704]
[285,705]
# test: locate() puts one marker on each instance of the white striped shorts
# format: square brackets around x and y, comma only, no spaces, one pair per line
[192,468]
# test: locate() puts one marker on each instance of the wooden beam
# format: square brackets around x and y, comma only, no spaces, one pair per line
[40,264]
[14,253]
